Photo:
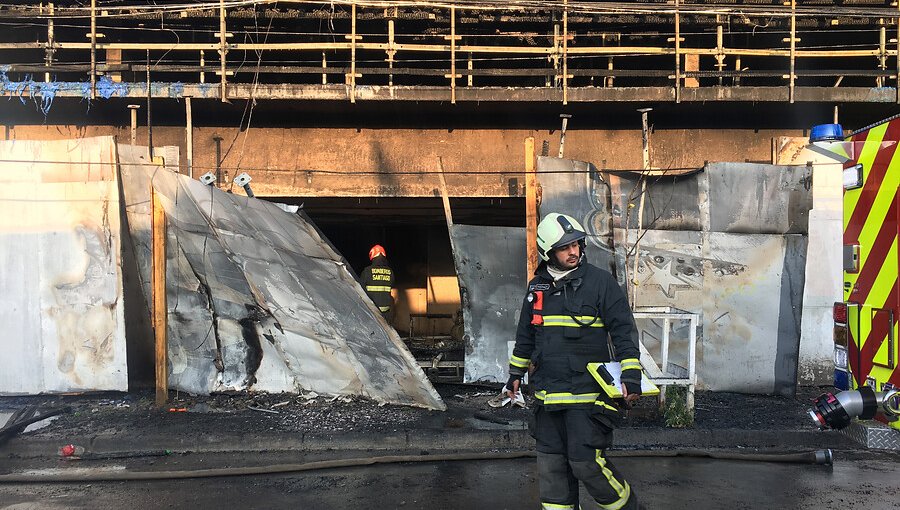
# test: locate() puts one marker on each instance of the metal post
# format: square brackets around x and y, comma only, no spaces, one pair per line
[720,50]
[149,118]
[134,121]
[565,55]
[793,49]
[391,51]
[223,52]
[48,54]
[882,54]
[93,49]
[645,137]
[189,136]
[562,133]
[645,153]
[353,38]
[677,56]
[453,55]
[218,139]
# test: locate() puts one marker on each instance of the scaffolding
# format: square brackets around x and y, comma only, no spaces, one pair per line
[562,51]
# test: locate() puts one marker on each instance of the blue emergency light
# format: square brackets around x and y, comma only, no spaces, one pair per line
[826,133]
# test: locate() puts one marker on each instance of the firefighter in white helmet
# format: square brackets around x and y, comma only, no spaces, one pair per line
[571,310]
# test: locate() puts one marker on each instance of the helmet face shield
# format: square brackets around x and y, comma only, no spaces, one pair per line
[557,230]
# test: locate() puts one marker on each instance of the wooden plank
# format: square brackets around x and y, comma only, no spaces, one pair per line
[445,198]
[531,207]
[158,286]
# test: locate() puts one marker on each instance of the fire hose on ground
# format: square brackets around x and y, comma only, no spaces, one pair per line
[821,457]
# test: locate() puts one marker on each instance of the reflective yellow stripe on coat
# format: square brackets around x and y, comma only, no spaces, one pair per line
[579,321]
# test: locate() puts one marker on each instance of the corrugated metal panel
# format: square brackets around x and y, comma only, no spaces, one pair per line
[491,264]
[61,304]
[258,299]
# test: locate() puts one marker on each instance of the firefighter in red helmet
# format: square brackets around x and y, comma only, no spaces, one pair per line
[378,280]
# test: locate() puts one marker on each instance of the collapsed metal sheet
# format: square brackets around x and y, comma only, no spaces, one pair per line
[61,304]
[491,265]
[259,300]
[697,255]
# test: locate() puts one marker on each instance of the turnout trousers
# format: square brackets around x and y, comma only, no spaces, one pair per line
[571,446]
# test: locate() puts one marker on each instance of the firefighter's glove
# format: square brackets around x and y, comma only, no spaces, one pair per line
[631,380]
[513,381]
[632,387]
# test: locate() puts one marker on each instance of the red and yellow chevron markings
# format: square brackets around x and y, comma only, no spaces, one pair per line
[871,221]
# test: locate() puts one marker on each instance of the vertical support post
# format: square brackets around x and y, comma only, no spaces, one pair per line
[793,50]
[565,52]
[223,53]
[737,67]
[677,57]
[720,49]
[218,139]
[452,55]
[470,67]
[609,79]
[189,136]
[202,65]
[324,67]
[554,55]
[664,347]
[882,53]
[531,208]
[134,121]
[160,308]
[391,51]
[93,49]
[645,153]
[149,117]
[353,38]
[692,361]
[562,133]
[48,54]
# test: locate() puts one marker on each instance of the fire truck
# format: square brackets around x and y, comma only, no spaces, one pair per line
[866,321]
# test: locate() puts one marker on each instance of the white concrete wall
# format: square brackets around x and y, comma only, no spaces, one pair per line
[823,261]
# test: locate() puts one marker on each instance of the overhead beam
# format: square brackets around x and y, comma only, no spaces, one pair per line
[482,94]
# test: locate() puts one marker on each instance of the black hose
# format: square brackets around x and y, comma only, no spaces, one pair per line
[804,457]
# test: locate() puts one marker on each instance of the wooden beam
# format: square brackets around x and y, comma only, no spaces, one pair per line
[160,308]
[445,198]
[531,208]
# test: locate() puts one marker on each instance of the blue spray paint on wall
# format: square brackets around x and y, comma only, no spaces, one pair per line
[106,88]
[47,93]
